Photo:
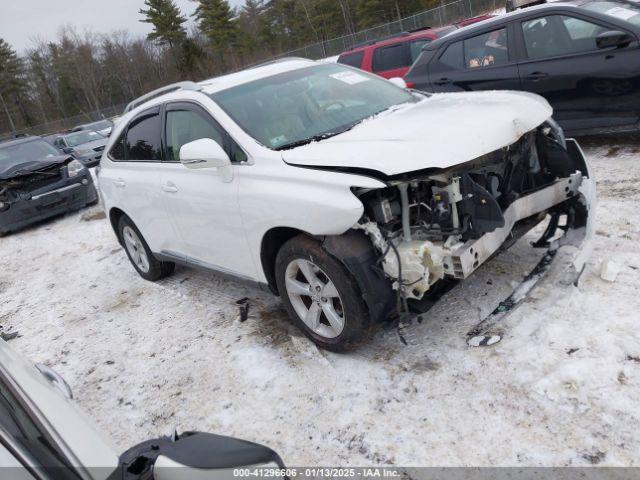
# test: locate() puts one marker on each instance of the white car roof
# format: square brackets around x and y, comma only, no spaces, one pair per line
[256,73]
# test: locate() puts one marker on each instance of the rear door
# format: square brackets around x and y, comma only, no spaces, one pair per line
[134,179]
[485,61]
[586,86]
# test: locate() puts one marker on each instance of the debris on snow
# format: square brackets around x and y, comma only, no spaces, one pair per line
[96,213]
[243,309]
[609,270]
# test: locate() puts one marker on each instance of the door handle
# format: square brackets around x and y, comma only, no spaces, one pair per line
[170,187]
[443,81]
[119,183]
[536,76]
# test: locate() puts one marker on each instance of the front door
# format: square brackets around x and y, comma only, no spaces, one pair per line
[202,204]
[586,86]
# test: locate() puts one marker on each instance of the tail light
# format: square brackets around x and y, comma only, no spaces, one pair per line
[411,84]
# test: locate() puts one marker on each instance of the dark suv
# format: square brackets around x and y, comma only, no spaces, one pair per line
[38,182]
[583,56]
[393,56]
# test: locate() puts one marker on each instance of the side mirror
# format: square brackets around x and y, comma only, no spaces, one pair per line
[203,153]
[68,150]
[613,38]
[399,82]
[197,455]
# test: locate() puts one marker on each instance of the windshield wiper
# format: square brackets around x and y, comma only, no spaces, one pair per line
[306,141]
[324,136]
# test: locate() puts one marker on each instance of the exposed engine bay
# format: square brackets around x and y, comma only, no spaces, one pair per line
[444,224]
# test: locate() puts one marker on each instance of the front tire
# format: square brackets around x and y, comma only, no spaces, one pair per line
[321,295]
[139,253]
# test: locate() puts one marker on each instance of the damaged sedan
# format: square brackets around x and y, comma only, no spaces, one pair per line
[37,182]
[353,199]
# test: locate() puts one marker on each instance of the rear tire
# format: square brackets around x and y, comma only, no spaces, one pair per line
[321,295]
[141,257]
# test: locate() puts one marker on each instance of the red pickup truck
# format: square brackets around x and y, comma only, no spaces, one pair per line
[393,56]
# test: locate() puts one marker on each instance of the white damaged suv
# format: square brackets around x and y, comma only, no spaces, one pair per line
[352,198]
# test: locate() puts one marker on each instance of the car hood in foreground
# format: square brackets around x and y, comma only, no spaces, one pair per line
[441,131]
[26,168]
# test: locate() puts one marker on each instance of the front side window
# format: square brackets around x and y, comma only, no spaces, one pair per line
[486,50]
[390,58]
[307,104]
[556,35]
[143,139]
[184,126]
[352,59]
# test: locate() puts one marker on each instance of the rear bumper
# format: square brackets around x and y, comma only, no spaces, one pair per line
[64,196]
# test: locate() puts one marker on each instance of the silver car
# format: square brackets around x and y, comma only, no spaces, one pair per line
[44,435]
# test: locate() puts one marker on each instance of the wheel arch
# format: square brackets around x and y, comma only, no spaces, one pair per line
[271,243]
[115,214]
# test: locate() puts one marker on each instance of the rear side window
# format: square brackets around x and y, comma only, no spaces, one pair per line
[352,59]
[390,58]
[487,49]
[453,56]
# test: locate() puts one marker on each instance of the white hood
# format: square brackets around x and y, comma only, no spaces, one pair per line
[441,131]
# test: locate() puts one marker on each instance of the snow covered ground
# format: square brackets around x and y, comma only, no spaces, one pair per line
[562,388]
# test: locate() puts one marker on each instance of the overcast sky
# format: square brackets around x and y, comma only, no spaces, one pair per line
[23,20]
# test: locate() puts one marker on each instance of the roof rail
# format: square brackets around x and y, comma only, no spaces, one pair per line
[174,87]
[382,39]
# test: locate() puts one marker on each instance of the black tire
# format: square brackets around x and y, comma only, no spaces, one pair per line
[352,306]
[157,269]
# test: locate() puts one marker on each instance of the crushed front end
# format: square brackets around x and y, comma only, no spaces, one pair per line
[31,195]
[435,226]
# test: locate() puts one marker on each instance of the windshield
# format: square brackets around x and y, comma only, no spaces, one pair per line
[622,10]
[99,125]
[84,136]
[26,152]
[308,104]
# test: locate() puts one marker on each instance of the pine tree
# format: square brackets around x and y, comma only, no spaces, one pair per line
[11,81]
[216,22]
[167,22]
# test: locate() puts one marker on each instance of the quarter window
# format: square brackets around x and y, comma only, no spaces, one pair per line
[143,139]
[117,151]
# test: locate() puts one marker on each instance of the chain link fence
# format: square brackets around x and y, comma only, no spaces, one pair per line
[63,124]
[445,14]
